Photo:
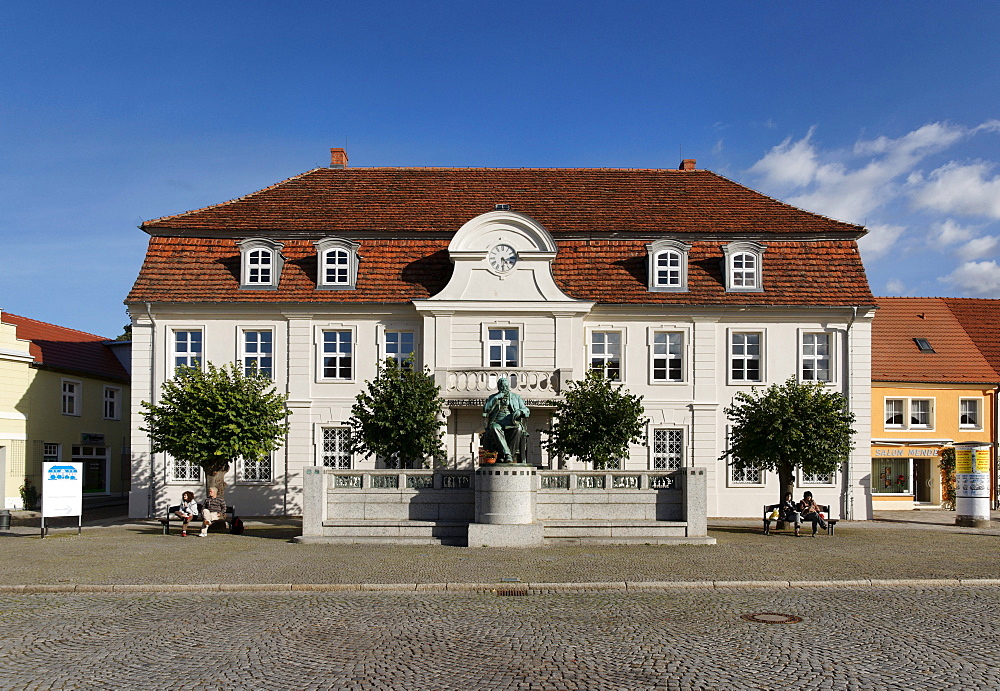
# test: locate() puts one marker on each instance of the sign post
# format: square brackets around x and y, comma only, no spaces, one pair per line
[62,491]
[972,485]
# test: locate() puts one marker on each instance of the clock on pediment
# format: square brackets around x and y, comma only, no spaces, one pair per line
[502,258]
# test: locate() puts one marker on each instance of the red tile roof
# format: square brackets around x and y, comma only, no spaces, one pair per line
[956,357]
[981,321]
[403,219]
[68,350]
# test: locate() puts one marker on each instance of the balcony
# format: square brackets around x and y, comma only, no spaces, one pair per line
[475,385]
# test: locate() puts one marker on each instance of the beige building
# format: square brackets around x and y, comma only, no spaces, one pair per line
[64,396]
[683,285]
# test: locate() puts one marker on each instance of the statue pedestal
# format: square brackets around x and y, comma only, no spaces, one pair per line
[505,507]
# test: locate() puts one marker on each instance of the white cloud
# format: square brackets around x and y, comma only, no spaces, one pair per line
[981,279]
[788,164]
[948,232]
[895,286]
[827,182]
[962,189]
[977,248]
[879,240]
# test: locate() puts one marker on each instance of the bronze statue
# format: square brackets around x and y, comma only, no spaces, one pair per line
[505,433]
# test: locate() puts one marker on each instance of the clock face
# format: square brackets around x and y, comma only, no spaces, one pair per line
[502,258]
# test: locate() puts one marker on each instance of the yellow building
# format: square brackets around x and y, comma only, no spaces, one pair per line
[934,387]
[63,397]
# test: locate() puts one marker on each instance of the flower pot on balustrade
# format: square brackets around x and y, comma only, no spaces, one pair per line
[487,457]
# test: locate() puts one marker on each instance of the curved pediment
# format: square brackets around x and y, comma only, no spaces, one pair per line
[502,256]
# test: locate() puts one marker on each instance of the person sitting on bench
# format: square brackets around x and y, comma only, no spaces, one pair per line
[810,512]
[787,513]
[186,511]
[214,509]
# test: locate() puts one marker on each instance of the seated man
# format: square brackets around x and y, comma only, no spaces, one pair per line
[214,509]
[505,434]
[787,513]
[810,512]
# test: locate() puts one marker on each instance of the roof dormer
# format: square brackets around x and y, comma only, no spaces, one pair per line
[260,263]
[667,271]
[743,267]
[337,264]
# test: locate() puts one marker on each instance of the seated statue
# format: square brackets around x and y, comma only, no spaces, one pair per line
[505,434]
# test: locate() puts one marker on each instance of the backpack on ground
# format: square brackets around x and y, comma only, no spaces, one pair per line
[236,526]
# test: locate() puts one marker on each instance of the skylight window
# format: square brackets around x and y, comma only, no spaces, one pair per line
[924,345]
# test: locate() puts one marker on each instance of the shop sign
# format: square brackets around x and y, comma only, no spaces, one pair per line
[922,452]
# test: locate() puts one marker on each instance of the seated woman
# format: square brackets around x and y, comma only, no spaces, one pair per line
[186,511]
[787,513]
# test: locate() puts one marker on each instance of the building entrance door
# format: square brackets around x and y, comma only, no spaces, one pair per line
[95,468]
[922,480]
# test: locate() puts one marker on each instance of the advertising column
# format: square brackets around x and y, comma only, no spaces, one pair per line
[62,491]
[972,485]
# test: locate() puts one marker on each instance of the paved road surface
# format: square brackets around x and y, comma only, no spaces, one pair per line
[867,638]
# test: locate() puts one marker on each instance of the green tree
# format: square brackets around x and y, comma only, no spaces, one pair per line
[214,416]
[398,417]
[790,425]
[596,421]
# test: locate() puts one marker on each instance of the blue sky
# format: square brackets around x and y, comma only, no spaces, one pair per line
[881,113]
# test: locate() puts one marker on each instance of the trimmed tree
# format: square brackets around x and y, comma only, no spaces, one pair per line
[596,421]
[214,416]
[398,417]
[790,425]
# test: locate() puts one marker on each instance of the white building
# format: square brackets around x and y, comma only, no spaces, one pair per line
[684,285]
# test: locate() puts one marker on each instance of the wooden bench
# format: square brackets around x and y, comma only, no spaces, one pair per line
[831,523]
[172,516]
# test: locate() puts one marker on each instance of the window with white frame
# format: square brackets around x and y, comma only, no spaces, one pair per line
[815,478]
[909,413]
[503,347]
[112,403]
[606,353]
[255,469]
[188,349]
[815,357]
[743,262]
[667,449]
[741,476]
[258,353]
[338,264]
[667,270]
[261,263]
[744,356]
[71,397]
[183,471]
[399,346]
[667,356]
[337,361]
[336,448]
[968,413]
[51,453]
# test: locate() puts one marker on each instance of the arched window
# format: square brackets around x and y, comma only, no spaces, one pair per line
[668,266]
[743,263]
[338,264]
[260,263]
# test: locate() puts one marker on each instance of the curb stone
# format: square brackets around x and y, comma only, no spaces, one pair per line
[488,587]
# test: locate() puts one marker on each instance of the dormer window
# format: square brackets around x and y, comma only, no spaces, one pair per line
[667,269]
[743,261]
[337,264]
[260,263]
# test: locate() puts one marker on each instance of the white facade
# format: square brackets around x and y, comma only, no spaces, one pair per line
[502,314]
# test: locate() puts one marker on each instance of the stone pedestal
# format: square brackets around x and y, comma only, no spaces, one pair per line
[505,507]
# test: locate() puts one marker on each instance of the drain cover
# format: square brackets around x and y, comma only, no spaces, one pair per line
[508,592]
[771,618]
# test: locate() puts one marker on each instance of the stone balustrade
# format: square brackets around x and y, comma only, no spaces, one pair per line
[483,381]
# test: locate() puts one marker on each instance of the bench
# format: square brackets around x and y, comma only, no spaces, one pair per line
[172,516]
[831,523]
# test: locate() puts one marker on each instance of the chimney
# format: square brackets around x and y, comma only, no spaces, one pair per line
[688,164]
[338,158]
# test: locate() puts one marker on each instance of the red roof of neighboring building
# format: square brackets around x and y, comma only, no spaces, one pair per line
[981,320]
[403,219]
[57,347]
[956,357]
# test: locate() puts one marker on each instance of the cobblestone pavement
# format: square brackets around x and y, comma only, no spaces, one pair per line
[872,638]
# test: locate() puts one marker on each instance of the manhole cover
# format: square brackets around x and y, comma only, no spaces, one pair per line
[771,618]
[508,592]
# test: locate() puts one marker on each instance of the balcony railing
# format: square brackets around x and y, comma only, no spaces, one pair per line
[482,382]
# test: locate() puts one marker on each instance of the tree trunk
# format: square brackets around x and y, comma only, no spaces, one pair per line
[218,481]
[786,480]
